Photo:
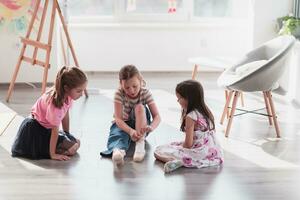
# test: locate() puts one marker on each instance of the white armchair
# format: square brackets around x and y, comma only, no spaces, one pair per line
[259,70]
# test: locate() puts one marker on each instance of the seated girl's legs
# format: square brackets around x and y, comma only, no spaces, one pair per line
[32,140]
[78,142]
[140,122]
[118,143]
[72,150]
[165,153]
[171,163]
[118,156]
[67,144]
[118,139]
[140,116]
[163,158]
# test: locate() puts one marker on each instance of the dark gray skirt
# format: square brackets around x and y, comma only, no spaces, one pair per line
[33,141]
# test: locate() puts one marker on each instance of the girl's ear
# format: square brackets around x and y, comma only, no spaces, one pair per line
[122,83]
[66,88]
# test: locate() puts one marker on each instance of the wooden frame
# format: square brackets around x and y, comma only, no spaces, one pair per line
[271,113]
[40,45]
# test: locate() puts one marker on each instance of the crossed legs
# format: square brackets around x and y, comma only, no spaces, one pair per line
[140,122]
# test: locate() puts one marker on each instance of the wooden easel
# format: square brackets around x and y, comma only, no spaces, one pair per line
[39,45]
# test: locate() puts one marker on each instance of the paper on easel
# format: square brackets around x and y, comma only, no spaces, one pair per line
[131,5]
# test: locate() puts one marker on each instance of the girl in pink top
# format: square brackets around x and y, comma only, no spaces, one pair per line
[39,136]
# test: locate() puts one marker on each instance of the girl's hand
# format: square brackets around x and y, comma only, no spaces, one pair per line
[146,129]
[60,157]
[135,136]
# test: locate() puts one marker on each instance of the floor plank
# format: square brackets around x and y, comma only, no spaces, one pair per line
[257,165]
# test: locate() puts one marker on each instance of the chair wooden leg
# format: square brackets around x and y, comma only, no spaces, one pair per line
[269,95]
[235,98]
[228,110]
[195,72]
[268,108]
[242,99]
[225,110]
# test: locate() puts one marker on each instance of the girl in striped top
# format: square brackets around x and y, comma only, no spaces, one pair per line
[135,115]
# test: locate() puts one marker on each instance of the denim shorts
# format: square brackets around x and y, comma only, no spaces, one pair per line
[120,139]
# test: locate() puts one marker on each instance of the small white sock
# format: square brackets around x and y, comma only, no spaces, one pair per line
[139,152]
[118,156]
[140,145]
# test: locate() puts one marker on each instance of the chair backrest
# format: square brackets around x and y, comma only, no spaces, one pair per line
[266,77]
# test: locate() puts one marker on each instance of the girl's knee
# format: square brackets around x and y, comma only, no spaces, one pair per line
[156,156]
[78,142]
[139,109]
[73,150]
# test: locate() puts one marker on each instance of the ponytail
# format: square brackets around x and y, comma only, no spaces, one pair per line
[70,77]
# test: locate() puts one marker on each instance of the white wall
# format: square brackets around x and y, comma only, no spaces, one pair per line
[265,14]
[159,47]
[264,24]
[294,75]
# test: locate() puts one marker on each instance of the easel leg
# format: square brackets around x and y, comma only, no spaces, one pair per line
[68,37]
[51,28]
[40,30]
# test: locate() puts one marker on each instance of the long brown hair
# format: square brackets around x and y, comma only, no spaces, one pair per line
[129,71]
[192,92]
[70,77]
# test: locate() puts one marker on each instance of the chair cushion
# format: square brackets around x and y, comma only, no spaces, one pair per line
[249,67]
[230,77]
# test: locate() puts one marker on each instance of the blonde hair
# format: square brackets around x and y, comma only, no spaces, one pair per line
[129,71]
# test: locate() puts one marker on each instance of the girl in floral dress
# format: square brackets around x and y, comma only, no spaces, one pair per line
[200,147]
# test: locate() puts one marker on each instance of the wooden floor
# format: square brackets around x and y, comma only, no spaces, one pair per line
[257,165]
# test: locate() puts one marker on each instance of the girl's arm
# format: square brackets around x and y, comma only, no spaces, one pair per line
[66,123]
[189,133]
[119,119]
[155,115]
[52,146]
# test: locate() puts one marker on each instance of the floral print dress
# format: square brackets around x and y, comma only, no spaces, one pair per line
[205,151]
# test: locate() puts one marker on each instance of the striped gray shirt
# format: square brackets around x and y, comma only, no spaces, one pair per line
[145,98]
